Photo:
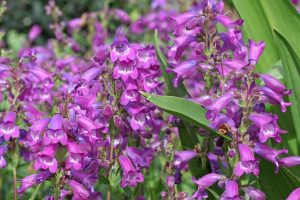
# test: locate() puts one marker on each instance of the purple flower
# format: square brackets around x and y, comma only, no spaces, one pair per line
[268,153]
[230,65]
[183,70]
[274,84]
[3,149]
[181,158]
[218,105]
[295,195]
[139,122]
[267,124]
[131,176]
[140,157]
[46,159]
[231,191]
[248,163]
[34,32]
[254,193]
[255,51]
[275,98]
[90,74]
[8,129]
[121,50]
[203,183]
[180,44]
[130,96]
[55,134]
[124,71]
[289,161]
[79,191]
[32,180]
[228,22]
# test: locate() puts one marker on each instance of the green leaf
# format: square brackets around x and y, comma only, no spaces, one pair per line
[291,64]
[276,186]
[184,109]
[261,17]
[257,27]
[170,90]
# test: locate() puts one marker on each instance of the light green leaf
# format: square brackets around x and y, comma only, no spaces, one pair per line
[291,66]
[184,109]
[261,17]
[257,27]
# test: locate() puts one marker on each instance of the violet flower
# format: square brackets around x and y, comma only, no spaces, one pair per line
[130,176]
[268,153]
[3,150]
[267,124]
[55,133]
[79,191]
[255,51]
[31,180]
[121,50]
[254,193]
[248,163]
[231,191]
[203,183]
[8,129]
[289,161]
[295,194]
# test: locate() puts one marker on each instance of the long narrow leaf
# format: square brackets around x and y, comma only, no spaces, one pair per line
[184,109]
[291,66]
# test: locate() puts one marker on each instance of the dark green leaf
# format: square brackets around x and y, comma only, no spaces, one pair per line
[276,186]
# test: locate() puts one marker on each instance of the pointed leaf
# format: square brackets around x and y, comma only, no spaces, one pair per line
[185,109]
[291,66]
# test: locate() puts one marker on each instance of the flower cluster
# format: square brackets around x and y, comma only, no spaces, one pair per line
[73,112]
[218,71]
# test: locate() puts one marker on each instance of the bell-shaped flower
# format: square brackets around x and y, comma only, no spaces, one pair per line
[269,154]
[180,44]
[275,98]
[125,71]
[79,191]
[183,70]
[46,159]
[140,157]
[121,50]
[255,51]
[3,150]
[8,128]
[231,191]
[248,164]
[181,158]
[289,161]
[55,133]
[254,193]
[295,195]
[228,22]
[218,105]
[130,96]
[267,124]
[205,182]
[31,180]
[130,177]
[274,84]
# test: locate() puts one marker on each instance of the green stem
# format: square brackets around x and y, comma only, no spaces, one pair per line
[35,192]
[15,183]
[111,151]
